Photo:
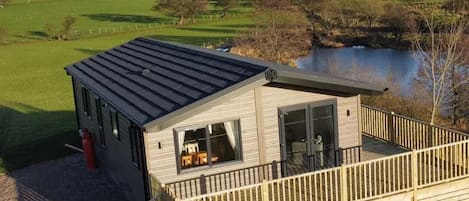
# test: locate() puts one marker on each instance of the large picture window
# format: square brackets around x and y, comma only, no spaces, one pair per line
[208,145]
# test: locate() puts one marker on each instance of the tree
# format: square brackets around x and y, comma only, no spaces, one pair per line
[280,35]
[458,98]
[369,10]
[4,3]
[54,33]
[67,25]
[226,5]
[181,8]
[439,48]
[397,20]
[325,12]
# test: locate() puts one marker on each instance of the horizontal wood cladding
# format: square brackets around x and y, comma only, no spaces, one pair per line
[163,164]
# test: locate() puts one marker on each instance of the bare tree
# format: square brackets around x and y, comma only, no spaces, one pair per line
[459,90]
[440,51]
[226,5]
[181,8]
[280,35]
[67,25]
[397,19]
[370,10]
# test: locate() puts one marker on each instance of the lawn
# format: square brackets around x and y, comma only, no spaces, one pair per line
[37,92]
[27,21]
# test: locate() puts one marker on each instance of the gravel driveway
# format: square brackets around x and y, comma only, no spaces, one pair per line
[65,179]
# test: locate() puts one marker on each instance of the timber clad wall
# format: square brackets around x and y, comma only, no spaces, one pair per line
[115,158]
[162,162]
[273,98]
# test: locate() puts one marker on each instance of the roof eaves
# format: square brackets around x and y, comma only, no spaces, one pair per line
[327,83]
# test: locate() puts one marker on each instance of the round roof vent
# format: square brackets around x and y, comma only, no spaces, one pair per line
[146,71]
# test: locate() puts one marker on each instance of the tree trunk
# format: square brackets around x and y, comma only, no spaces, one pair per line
[181,20]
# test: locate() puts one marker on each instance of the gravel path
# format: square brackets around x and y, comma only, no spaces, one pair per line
[66,179]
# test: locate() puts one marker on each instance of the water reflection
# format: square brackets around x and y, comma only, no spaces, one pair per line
[400,64]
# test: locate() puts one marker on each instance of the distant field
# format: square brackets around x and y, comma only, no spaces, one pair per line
[27,21]
[34,86]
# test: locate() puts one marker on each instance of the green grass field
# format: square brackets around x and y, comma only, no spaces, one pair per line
[33,83]
[27,21]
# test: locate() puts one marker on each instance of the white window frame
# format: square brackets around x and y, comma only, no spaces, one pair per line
[209,151]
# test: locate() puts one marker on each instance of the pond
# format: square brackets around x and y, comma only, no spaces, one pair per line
[400,64]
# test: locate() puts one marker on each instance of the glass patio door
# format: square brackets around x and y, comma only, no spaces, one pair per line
[296,141]
[307,137]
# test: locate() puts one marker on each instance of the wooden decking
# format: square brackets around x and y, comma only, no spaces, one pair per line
[374,148]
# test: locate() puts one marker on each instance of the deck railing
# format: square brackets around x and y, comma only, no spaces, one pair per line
[206,184]
[160,192]
[439,155]
[404,131]
[405,172]
[225,180]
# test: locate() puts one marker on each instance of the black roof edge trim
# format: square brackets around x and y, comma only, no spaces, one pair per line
[328,83]
[107,101]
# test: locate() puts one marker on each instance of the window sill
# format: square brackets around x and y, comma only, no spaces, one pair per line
[205,168]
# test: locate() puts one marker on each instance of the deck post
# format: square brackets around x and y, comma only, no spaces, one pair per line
[392,133]
[274,170]
[343,183]
[430,135]
[415,176]
[203,184]
[265,191]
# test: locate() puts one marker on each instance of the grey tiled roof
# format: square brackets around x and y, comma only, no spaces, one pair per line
[147,79]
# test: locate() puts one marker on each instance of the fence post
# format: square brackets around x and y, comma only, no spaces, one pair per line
[430,135]
[415,176]
[265,191]
[274,170]
[343,184]
[203,184]
[392,133]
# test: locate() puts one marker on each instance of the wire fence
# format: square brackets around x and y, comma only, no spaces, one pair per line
[104,30]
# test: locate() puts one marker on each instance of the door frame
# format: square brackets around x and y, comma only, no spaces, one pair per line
[309,124]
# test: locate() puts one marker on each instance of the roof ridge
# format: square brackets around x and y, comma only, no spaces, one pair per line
[212,54]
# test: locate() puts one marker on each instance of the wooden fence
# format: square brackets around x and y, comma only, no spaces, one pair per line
[405,172]
[404,131]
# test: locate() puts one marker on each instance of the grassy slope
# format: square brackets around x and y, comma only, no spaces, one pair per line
[34,85]
[30,23]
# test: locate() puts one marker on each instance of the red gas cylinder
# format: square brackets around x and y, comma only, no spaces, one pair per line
[88,149]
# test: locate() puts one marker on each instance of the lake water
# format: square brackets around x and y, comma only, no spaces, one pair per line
[400,64]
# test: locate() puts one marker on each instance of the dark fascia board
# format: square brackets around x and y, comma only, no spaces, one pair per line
[327,83]
[205,103]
